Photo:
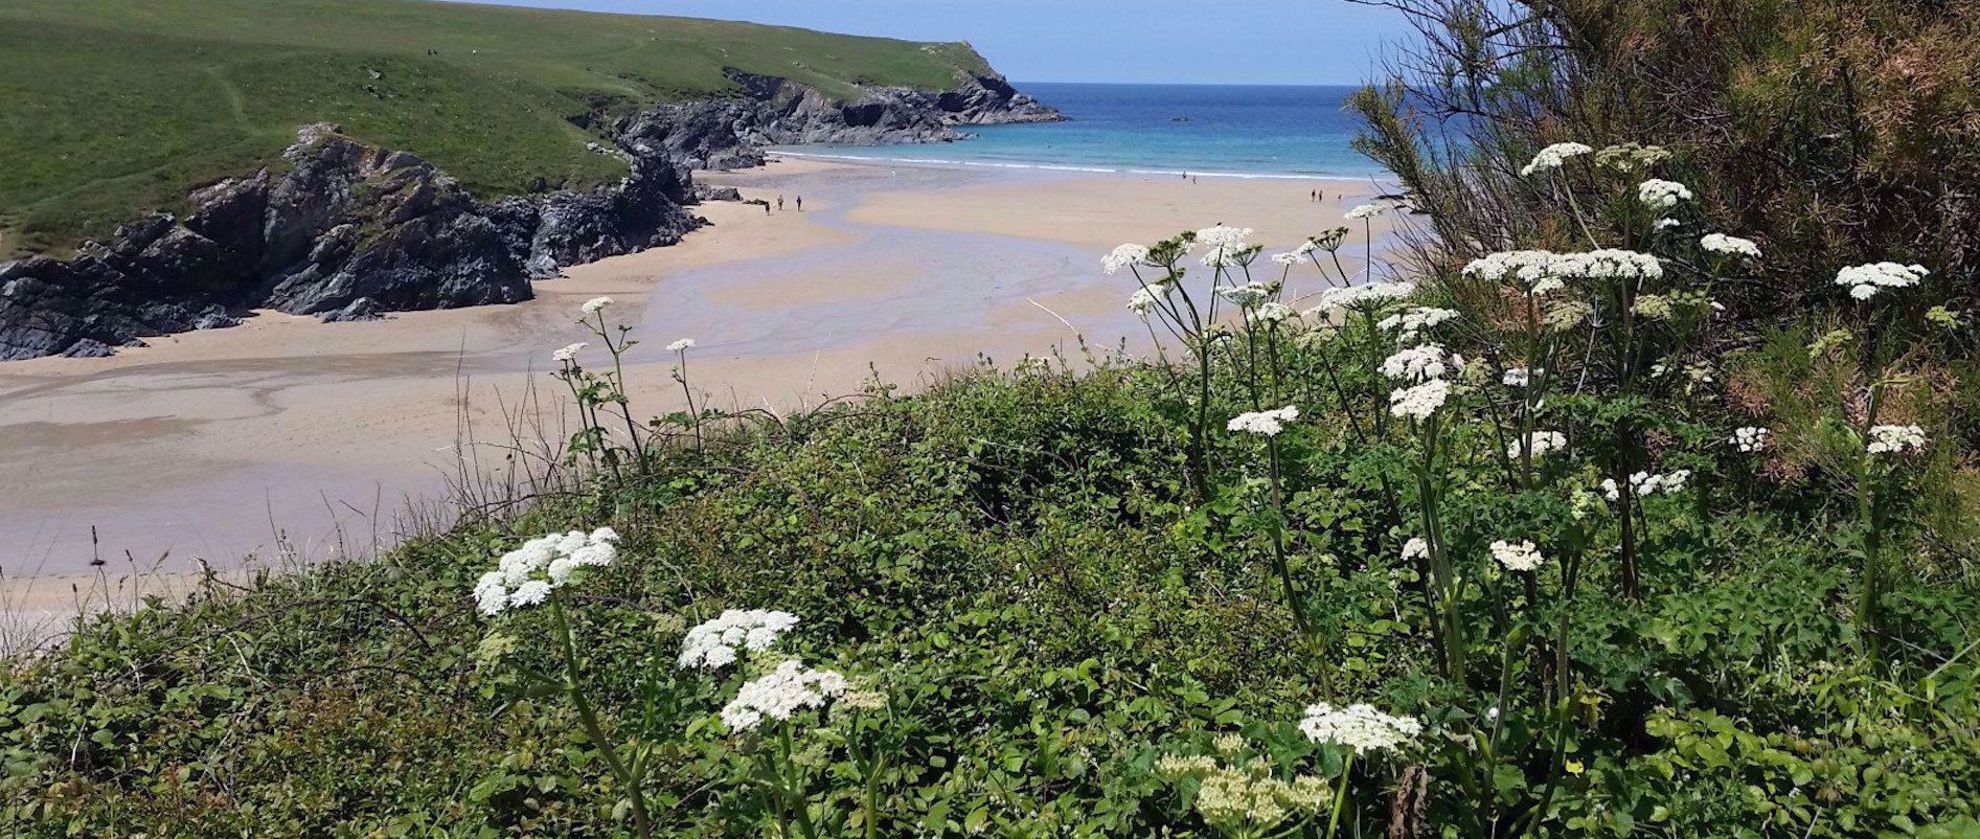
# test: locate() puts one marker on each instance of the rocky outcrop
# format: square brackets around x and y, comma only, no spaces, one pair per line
[353,231]
[350,231]
[732,132]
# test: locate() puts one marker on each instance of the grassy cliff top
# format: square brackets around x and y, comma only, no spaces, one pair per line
[112,107]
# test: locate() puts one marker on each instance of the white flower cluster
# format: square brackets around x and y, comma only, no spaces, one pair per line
[1419,401]
[1410,325]
[1864,281]
[1124,256]
[1420,363]
[1517,556]
[1660,194]
[1896,439]
[1365,212]
[713,644]
[1539,443]
[596,305]
[1141,302]
[1721,243]
[1643,484]
[1247,295]
[1750,439]
[568,353]
[1359,727]
[1268,423]
[1554,157]
[1271,314]
[1226,246]
[1520,376]
[1361,295]
[1415,548]
[782,692]
[526,575]
[1542,270]
[681,345]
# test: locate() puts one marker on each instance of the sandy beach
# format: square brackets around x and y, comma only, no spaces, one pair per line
[286,440]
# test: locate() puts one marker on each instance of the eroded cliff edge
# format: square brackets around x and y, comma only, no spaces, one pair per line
[347,229]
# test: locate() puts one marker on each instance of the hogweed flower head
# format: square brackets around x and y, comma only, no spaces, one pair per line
[1865,281]
[1519,376]
[1539,443]
[1365,211]
[1517,556]
[1631,157]
[1359,727]
[1124,256]
[1271,314]
[1750,439]
[1733,245]
[714,643]
[1268,423]
[596,305]
[1419,401]
[527,575]
[1225,245]
[681,345]
[1247,295]
[1554,157]
[1418,364]
[1658,194]
[1359,296]
[780,694]
[1895,439]
[568,353]
[1410,325]
[1415,548]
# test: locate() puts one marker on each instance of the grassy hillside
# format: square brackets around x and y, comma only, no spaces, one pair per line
[109,107]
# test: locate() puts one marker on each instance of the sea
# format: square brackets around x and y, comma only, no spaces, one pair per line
[1247,131]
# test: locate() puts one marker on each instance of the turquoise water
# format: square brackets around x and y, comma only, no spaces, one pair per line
[1238,130]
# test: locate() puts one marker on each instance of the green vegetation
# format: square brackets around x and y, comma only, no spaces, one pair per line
[1556,543]
[112,107]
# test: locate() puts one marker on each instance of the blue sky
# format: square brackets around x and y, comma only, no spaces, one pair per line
[1244,42]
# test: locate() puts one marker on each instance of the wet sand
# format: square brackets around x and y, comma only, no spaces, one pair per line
[285,440]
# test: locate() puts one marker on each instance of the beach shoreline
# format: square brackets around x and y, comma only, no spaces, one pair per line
[296,441]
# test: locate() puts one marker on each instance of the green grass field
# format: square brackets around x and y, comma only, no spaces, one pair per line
[109,108]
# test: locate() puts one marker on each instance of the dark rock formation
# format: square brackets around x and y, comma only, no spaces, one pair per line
[732,132]
[350,232]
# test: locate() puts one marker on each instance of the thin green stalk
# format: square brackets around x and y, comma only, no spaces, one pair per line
[641,821]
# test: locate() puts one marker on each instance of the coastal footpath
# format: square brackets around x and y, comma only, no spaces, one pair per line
[344,228]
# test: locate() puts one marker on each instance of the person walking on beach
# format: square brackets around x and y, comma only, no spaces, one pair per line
[780,201]
[800,203]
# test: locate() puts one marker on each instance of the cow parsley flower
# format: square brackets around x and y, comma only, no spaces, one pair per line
[1226,246]
[1247,295]
[1750,439]
[1896,439]
[1539,443]
[1865,281]
[1653,306]
[1365,211]
[1288,259]
[1517,556]
[1666,224]
[1417,364]
[1271,314]
[1554,157]
[1410,325]
[713,644]
[1609,263]
[681,345]
[568,353]
[1359,727]
[1268,423]
[527,575]
[1420,401]
[1660,194]
[1124,256]
[596,305]
[1519,376]
[1721,243]
[1357,296]
[1415,548]
[780,694]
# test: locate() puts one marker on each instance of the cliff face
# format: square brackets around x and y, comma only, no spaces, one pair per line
[352,230]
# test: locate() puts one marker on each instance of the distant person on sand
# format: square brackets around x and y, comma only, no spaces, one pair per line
[766,208]
[780,202]
[800,203]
